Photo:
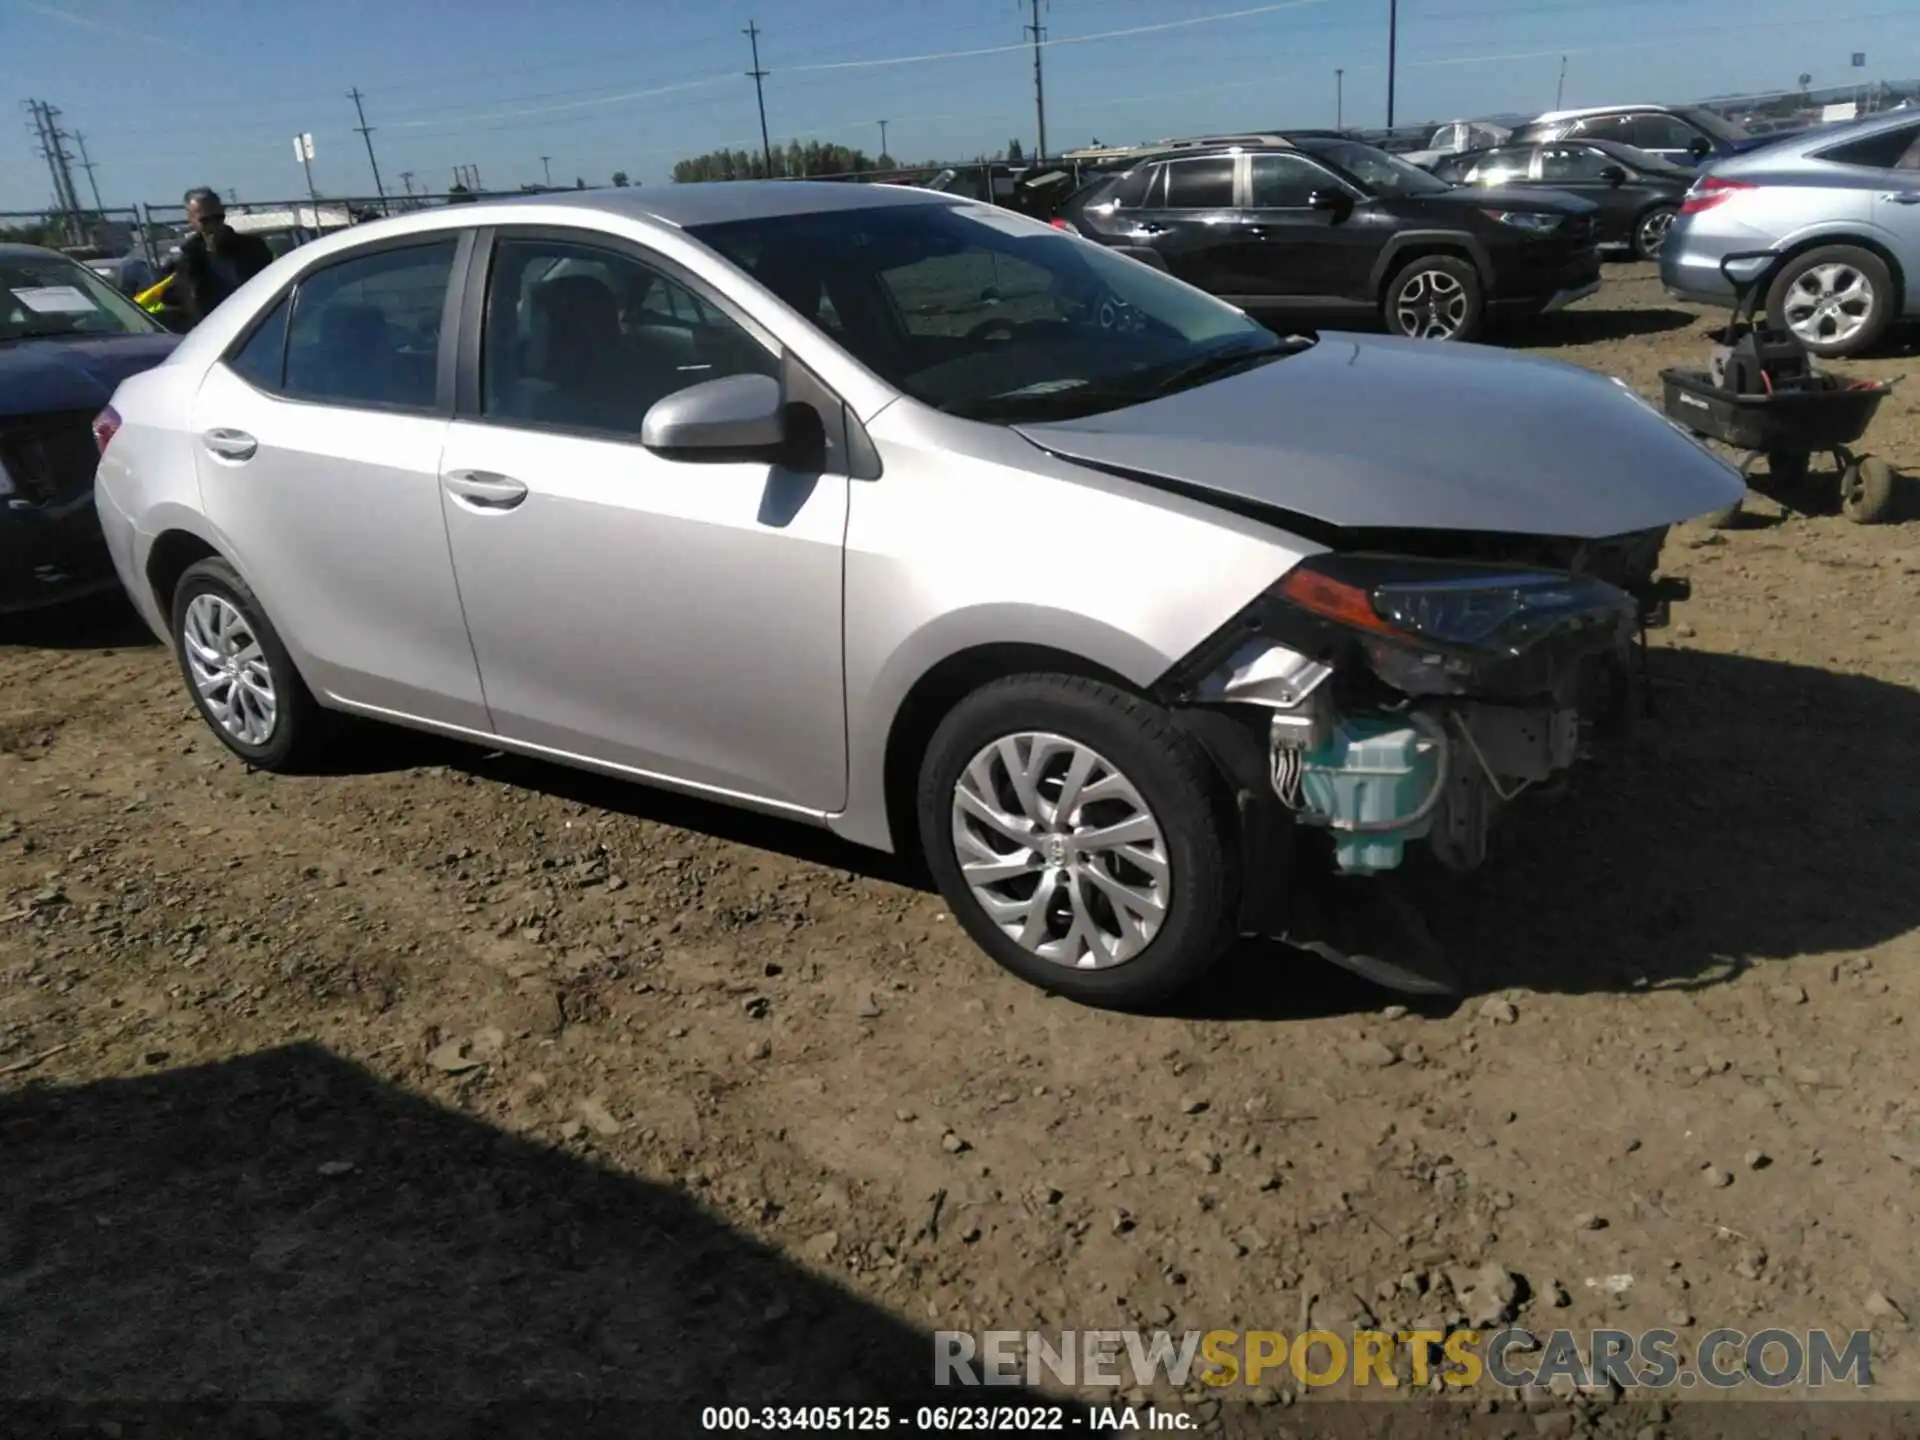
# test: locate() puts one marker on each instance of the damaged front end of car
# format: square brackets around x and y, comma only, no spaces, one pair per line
[1375,699]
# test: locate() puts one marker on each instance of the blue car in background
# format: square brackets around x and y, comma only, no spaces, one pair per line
[67,339]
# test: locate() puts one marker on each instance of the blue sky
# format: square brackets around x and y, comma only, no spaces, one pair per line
[172,93]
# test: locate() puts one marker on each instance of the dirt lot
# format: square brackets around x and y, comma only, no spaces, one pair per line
[456,1077]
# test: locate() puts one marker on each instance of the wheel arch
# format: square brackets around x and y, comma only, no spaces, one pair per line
[932,697]
[1410,245]
[169,557]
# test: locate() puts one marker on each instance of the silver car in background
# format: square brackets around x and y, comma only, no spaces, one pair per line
[1839,208]
[912,518]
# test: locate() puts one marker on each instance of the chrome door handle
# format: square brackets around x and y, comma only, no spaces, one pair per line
[1902,197]
[484,489]
[230,444]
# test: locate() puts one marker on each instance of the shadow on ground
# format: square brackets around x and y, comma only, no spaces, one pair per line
[1593,327]
[99,622]
[192,1237]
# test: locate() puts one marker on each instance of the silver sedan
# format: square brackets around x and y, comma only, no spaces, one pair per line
[908,517]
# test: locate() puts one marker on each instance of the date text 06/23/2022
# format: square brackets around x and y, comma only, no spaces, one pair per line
[948,1419]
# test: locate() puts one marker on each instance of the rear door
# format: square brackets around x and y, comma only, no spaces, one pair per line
[1896,211]
[318,440]
[1582,170]
[1189,217]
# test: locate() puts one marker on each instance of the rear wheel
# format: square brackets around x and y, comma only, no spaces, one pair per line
[1437,297]
[243,682]
[1650,234]
[1080,838]
[1837,300]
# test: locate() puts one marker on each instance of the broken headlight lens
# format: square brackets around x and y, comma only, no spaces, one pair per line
[1498,610]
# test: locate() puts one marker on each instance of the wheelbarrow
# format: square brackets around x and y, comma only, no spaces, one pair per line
[1763,396]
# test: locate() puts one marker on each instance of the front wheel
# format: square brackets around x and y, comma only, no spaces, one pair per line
[1437,297]
[1080,838]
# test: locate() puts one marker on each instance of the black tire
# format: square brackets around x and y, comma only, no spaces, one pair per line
[295,734]
[1181,792]
[1871,270]
[1650,231]
[1868,491]
[1433,292]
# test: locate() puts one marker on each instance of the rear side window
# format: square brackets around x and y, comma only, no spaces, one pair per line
[366,331]
[1502,167]
[1566,164]
[1607,127]
[262,361]
[1128,191]
[1200,184]
[1661,132]
[1891,150]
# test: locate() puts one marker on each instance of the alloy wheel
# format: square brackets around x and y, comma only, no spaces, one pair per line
[1829,304]
[229,669]
[1652,235]
[1061,851]
[1432,305]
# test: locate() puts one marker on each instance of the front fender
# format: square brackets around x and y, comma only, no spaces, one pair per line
[1394,254]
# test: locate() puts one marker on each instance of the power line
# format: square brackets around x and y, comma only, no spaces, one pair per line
[752,32]
[366,134]
[1039,80]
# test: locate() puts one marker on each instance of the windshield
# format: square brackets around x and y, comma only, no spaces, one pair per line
[1379,172]
[1717,126]
[49,295]
[989,315]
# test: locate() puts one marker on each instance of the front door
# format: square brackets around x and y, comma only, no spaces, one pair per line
[675,617]
[318,445]
[1286,250]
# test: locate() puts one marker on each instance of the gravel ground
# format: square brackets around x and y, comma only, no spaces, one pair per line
[451,1076]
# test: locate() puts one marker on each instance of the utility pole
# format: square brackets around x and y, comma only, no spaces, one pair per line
[366,134]
[1560,90]
[86,164]
[546,171]
[1393,53]
[1339,99]
[1039,34]
[752,32]
[883,137]
[46,121]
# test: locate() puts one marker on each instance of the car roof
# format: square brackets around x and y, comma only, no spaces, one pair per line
[1556,115]
[14,250]
[717,202]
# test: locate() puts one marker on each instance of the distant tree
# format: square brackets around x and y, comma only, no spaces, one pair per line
[620,178]
[578,183]
[813,158]
[1014,153]
[459,195]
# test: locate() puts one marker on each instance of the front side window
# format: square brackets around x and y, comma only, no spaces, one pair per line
[1374,170]
[366,331]
[583,337]
[1201,184]
[1571,164]
[1606,127]
[988,315]
[1286,182]
[48,295]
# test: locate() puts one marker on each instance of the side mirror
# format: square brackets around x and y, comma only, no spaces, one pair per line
[739,412]
[1700,148]
[1613,175]
[1335,202]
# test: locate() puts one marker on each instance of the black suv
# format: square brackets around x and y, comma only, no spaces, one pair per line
[1315,224]
[1638,195]
[1682,134]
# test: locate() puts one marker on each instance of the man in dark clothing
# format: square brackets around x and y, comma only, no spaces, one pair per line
[214,262]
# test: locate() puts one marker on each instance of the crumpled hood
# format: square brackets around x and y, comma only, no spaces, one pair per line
[73,374]
[1370,432]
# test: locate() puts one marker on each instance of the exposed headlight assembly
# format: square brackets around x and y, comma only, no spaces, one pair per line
[1531,221]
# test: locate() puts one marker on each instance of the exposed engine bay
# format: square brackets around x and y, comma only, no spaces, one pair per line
[1397,698]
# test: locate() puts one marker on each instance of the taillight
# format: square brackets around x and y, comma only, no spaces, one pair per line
[106,425]
[1709,192]
[1060,224]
